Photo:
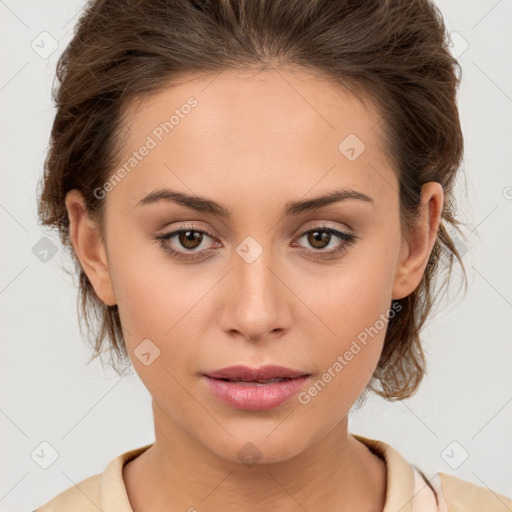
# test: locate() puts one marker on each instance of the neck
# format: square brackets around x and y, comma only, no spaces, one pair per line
[177,473]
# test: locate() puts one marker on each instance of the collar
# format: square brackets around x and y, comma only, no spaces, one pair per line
[400,478]
[113,495]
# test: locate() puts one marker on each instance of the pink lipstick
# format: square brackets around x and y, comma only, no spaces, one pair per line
[257,389]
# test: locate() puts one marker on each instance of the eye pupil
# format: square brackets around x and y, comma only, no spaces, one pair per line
[189,241]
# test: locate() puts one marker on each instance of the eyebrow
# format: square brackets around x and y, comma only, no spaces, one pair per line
[204,205]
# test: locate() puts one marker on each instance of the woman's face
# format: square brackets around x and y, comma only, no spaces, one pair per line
[257,280]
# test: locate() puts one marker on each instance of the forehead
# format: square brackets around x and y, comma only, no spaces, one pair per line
[254,129]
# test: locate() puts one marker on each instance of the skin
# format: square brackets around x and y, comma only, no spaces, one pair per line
[254,142]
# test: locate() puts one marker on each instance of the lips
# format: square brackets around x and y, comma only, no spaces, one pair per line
[258,389]
[264,374]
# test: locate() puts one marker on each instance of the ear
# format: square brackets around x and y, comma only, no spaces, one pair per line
[415,252]
[89,247]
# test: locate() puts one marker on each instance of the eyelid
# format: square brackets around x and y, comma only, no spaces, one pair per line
[346,240]
[185,227]
[315,224]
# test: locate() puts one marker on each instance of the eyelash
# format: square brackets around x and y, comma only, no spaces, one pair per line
[348,239]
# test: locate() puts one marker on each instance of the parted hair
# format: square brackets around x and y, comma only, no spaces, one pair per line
[392,53]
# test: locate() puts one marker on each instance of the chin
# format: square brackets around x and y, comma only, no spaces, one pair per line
[263,446]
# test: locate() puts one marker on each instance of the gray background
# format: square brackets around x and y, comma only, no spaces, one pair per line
[89,415]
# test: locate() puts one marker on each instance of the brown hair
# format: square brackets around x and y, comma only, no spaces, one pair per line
[393,53]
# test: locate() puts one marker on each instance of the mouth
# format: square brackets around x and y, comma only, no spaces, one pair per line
[264,374]
[256,382]
[258,389]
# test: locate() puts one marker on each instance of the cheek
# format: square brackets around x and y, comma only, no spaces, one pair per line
[152,292]
[164,310]
[353,306]
[347,359]
[353,296]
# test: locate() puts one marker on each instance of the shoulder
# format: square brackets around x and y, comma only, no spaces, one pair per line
[464,496]
[409,489]
[81,497]
[101,492]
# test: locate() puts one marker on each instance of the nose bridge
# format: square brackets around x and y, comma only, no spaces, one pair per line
[256,301]
[257,282]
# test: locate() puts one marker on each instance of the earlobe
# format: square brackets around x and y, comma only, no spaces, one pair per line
[415,252]
[89,247]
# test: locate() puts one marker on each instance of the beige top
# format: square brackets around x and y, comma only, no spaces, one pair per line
[408,490]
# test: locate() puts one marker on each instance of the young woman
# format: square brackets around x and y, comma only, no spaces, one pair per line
[257,196]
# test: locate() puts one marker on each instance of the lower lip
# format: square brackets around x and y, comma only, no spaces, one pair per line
[255,397]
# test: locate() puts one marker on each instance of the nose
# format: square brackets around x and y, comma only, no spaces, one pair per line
[256,303]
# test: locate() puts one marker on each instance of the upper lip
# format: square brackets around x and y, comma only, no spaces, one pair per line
[245,373]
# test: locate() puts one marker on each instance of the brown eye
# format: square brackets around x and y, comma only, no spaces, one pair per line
[319,239]
[186,243]
[190,239]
